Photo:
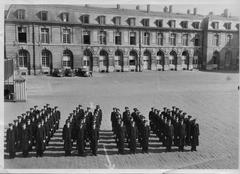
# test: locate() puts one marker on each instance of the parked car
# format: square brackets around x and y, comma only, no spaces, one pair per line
[83,72]
[58,72]
[69,73]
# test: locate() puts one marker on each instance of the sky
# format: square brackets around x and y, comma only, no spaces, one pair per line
[180,6]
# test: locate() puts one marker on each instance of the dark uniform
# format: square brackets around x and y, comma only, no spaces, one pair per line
[121,130]
[169,135]
[182,135]
[80,138]
[25,141]
[133,137]
[194,135]
[94,139]
[39,140]
[11,141]
[67,139]
[145,137]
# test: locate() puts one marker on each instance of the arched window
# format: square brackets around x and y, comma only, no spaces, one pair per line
[173,39]
[102,37]
[45,58]
[67,59]
[146,38]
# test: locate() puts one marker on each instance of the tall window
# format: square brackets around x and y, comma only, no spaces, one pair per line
[146,38]
[65,17]
[102,20]
[117,20]
[159,23]
[132,38]
[43,15]
[21,14]
[44,35]
[145,22]
[197,40]
[229,39]
[118,38]
[22,57]
[22,34]
[85,19]
[196,25]
[102,38]
[184,24]
[86,37]
[173,39]
[172,23]
[66,36]
[185,39]
[45,59]
[67,59]
[228,25]
[159,38]
[132,21]
[216,40]
[215,25]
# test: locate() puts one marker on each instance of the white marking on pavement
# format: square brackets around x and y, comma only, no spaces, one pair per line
[109,165]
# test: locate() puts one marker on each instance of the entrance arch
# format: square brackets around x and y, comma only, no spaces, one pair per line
[47,65]
[185,60]
[228,59]
[118,60]
[160,60]
[173,60]
[196,59]
[87,60]
[103,61]
[133,60]
[67,59]
[24,60]
[147,60]
[215,59]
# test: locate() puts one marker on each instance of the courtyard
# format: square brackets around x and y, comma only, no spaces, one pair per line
[211,97]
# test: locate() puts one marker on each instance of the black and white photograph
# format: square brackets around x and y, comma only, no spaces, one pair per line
[117,86]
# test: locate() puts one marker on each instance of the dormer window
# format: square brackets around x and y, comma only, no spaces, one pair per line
[145,22]
[184,24]
[21,14]
[196,25]
[172,23]
[159,23]
[228,26]
[65,17]
[102,20]
[117,20]
[43,15]
[85,19]
[132,21]
[215,25]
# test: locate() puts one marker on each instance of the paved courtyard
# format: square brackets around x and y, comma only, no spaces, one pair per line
[210,97]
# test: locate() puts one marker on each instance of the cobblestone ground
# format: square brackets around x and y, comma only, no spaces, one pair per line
[212,98]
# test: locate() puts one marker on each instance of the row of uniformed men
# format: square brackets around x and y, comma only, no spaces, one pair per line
[174,127]
[33,128]
[129,127]
[82,127]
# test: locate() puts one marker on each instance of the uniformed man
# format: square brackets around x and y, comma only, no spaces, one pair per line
[39,140]
[188,129]
[80,138]
[145,136]
[17,130]
[127,122]
[194,135]
[94,139]
[133,137]
[25,140]
[30,133]
[113,119]
[121,130]
[169,135]
[67,139]
[11,141]
[182,135]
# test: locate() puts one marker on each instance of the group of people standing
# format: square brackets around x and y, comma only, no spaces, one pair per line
[130,127]
[32,129]
[82,127]
[174,128]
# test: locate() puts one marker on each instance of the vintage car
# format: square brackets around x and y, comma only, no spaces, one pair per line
[58,72]
[82,72]
[69,73]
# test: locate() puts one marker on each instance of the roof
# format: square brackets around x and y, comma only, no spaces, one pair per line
[57,9]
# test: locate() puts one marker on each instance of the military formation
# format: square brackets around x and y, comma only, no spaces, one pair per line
[32,130]
[130,128]
[82,127]
[174,127]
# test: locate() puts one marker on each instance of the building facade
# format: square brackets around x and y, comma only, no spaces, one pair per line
[43,37]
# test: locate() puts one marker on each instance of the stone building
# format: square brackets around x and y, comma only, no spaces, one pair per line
[43,37]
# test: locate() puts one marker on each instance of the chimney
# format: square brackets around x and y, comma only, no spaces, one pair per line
[137,7]
[165,9]
[148,8]
[225,13]
[170,8]
[188,11]
[195,11]
[118,6]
